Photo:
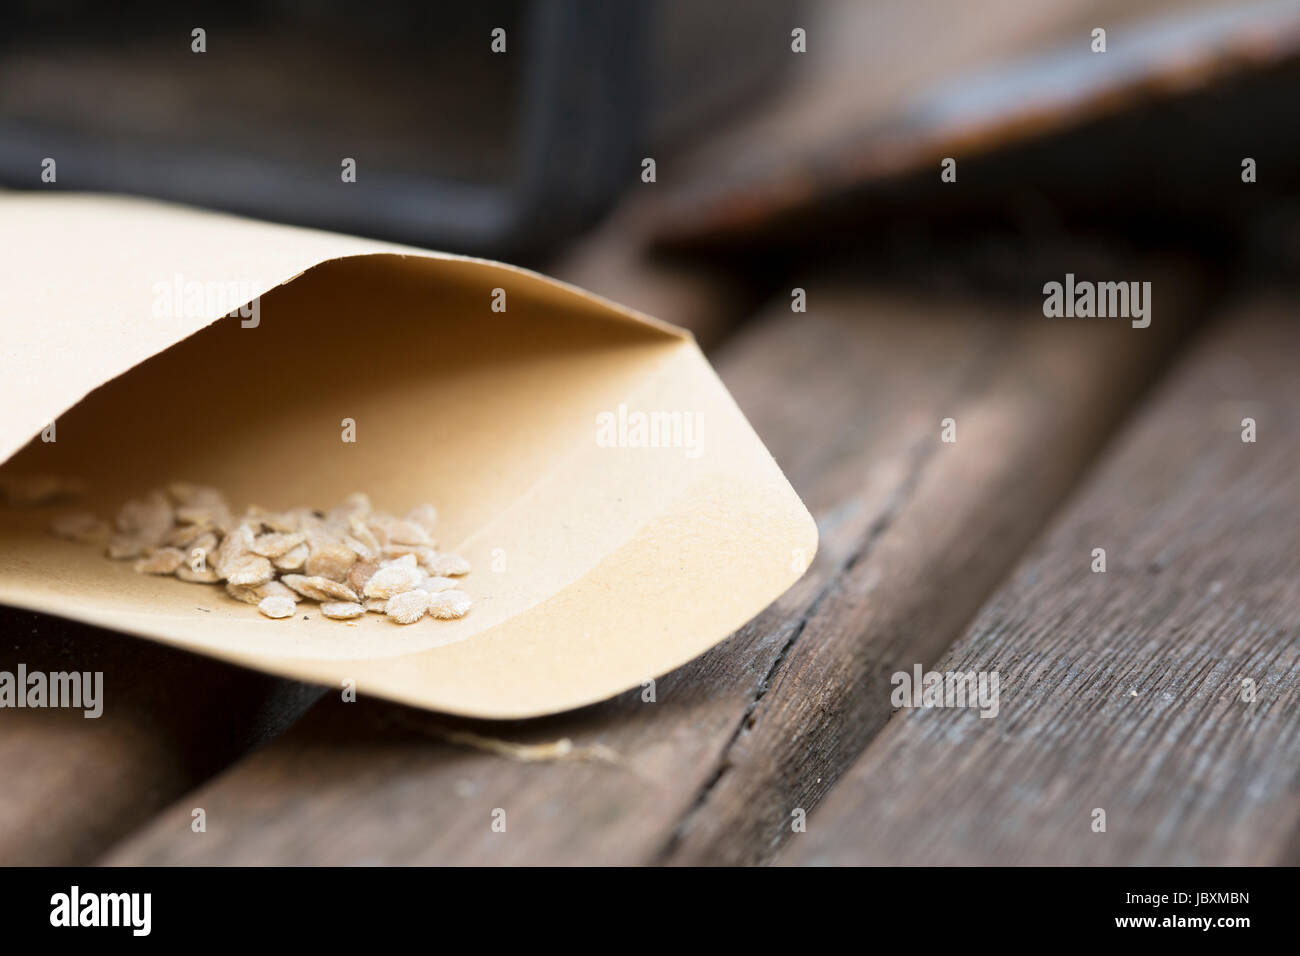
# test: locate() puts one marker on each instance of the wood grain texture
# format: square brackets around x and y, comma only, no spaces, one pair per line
[1123,690]
[849,398]
[890,88]
[72,784]
[1026,428]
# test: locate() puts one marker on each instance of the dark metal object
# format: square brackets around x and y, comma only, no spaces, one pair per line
[456,146]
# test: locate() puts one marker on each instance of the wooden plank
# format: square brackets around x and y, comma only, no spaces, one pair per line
[849,398]
[866,121]
[1124,691]
[1025,432]
[72,784]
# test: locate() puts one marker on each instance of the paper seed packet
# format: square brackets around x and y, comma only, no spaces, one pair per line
[619,513]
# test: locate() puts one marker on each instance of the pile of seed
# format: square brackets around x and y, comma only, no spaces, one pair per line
[351,559]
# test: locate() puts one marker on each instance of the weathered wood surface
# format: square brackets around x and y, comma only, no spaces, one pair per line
[888,89]
[1124,691]
[73,785]
[915,534]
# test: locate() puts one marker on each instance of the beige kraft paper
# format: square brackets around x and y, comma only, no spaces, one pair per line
[598,565]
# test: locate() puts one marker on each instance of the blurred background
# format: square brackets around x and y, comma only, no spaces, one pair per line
[758,145]
[458,145]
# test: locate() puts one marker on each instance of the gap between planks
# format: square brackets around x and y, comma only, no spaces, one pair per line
[73,785]
[1123,691]
[849,398]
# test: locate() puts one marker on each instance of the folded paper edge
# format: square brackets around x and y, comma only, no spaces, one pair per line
[612,310]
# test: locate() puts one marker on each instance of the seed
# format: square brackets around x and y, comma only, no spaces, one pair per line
[393,580]
[276,544]
[358,548]
[190,531]
[204,514]
[319,589]
[357,503]
[148,518]
[408,607]
[233,547]
[450,604]
[246,594]
[342,610]
[426,516]
[293,559]
[278,607]
[161,561]
[207,576]
[407,532]
[187,494]
[123,547]
[81,526]
[331,560]
[29,491]
[280,522]
[255,593]
[361,533]
[249,570]
[425,557]
[360,574]
[450,565]
[185,535]
[278,589]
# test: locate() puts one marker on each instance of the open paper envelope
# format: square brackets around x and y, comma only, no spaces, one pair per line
[598,563]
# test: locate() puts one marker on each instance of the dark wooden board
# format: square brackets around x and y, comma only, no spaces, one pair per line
[1028,424]
[72,784]
[860,134]
[915,533]
[1123,691]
